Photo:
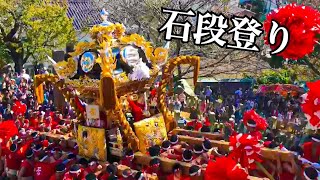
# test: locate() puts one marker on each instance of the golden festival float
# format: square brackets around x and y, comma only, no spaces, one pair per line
[129,65]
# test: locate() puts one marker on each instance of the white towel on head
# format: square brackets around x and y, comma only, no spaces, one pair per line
[140,71]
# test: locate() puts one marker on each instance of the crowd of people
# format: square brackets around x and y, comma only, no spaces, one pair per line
[224,114]
[30,154]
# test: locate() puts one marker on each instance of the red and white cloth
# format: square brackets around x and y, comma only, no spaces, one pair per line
[225,168]
[261,123]
[311,104]
[245,149]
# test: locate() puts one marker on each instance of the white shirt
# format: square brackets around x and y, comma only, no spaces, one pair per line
[25,76]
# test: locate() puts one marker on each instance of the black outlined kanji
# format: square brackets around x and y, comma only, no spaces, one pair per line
[210,27]
[170,23]
[245,32]
[275,28]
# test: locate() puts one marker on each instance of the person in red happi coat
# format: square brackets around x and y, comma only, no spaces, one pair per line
[176,173]
[27,166]
[44,168]
[128,159]
[311,150]
[13,162]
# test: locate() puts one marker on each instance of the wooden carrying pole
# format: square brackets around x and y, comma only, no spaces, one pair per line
[167,164]
[197,134]
[224,146]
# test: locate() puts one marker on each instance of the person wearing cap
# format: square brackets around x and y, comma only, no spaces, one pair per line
[165,146]
[35,137]
[71,159]
[92,166]
[229,128]
[311,150]
[187,156]
[154,167]
[13,162]
[167,151]
[197,155]
[63,145]
[37,149]
[176,173]
[251,127]
[91,176]
[27,167]
[154,151]
[128,159]
[56,153]
[140,176]
[111,171]
[50,124]
[310,173]
[61,128]
[75,172]
[60,171]
[44,168]
[194,171]
[209,153]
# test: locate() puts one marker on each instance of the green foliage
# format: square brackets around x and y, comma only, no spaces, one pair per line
[33,28]
[4,56]
[282,76]
[276,62]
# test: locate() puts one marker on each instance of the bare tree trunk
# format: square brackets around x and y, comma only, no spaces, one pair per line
[18,60]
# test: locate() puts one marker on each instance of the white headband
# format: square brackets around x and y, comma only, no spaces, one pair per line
[198,152]
[62,170]
[174,142]
[315,139]
[195,172]
[44,157]
[251,125]
[204,148]
[37,150]
[165,148]
[187,160]
[141,176]
[74,172]
[30,155]
[307,178]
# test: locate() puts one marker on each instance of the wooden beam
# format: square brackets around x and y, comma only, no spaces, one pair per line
[167,164]
[197,134]
[121,168]
[224,146]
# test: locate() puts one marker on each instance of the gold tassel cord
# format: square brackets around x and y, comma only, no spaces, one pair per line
[110,102]
[166,76]
[54,79]
[260,166]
